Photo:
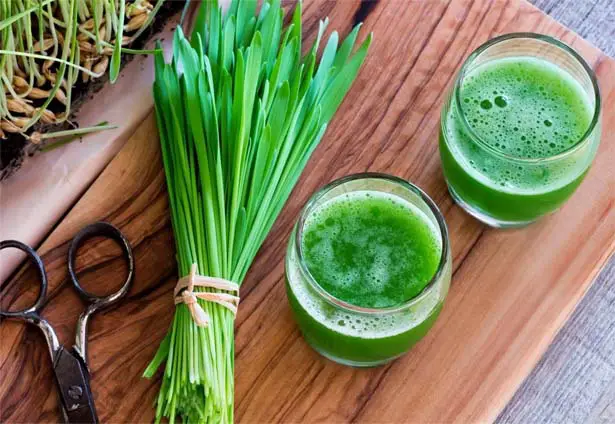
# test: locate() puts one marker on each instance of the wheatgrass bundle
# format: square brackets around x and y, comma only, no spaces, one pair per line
[239,112]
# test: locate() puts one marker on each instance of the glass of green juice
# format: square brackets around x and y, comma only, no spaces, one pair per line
[367,268]
[519,129]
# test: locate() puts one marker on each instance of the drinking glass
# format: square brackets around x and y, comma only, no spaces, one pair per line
[354,335]
[503,189]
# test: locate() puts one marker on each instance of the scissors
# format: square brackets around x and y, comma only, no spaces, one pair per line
[70,367]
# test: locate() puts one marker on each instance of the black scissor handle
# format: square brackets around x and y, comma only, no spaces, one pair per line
[100,229]
[40,301]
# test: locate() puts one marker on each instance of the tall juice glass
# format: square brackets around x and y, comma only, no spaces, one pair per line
[368,267]
[519,129]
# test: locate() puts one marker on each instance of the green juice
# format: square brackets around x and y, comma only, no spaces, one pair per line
[368,250]
[510,146]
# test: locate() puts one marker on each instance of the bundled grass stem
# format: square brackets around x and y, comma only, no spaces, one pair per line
[239,112]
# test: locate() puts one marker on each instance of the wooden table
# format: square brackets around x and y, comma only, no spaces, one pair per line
[575,380]
[504,329]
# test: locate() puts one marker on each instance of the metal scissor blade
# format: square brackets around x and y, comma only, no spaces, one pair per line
[73,380]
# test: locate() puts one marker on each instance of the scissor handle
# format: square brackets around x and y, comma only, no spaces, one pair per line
[32,314]
[100,229]
[27,313]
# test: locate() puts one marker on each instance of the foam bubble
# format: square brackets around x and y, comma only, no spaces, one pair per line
[525,87]
[540,110]
[356,324]
[377,251]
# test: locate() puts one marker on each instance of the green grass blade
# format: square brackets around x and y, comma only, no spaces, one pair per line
[338,88]
[116,57]
[346,48]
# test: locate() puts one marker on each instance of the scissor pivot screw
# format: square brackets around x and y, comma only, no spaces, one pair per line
[75,392]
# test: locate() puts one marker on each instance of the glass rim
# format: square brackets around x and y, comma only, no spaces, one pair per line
[476,139]
[442,230]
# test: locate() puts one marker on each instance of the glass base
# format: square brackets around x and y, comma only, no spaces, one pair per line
[354,364]
[484,218]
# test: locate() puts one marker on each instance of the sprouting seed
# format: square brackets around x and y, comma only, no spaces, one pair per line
[9,126]
[37,93]
[38,55]
[136,22]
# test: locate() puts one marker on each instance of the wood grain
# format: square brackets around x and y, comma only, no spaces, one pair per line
[122,340]
[574,382]
[511,290]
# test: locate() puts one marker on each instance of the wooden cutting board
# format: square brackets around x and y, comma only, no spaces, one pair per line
[511,290]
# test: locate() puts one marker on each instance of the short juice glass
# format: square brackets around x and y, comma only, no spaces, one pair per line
[519,129]
[359,335]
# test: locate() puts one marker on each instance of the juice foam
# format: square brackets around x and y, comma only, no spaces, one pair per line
[524,108]
[372,250]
